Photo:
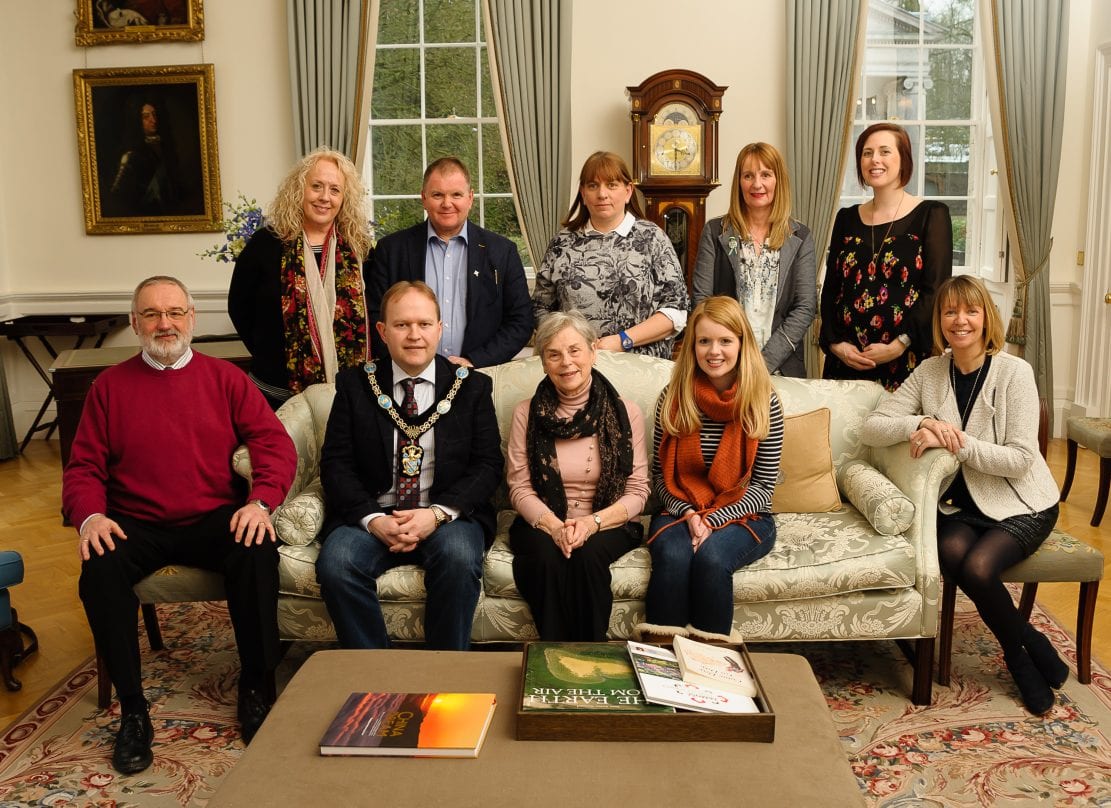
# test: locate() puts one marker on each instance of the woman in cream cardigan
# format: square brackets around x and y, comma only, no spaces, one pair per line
[981,405]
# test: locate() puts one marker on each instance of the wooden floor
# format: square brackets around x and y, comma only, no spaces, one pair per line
[30,500]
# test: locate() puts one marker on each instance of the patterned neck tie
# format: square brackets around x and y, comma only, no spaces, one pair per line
[408,487]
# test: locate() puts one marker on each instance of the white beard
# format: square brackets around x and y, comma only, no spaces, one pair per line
[167,352]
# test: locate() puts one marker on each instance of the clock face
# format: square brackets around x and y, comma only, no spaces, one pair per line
[676,149]
[676,113]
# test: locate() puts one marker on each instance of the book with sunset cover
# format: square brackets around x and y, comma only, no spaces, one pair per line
[410,725]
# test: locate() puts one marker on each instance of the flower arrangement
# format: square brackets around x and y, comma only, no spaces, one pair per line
[244,218]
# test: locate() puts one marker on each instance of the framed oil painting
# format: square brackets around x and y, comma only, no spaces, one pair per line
[146,139]
[108,22]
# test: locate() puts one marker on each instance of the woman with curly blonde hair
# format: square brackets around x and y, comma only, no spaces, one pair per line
[297,292]
[718,439]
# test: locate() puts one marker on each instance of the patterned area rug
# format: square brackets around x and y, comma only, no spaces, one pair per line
[974,746]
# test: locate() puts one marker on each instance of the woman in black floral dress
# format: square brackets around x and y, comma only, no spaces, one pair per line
[886,259]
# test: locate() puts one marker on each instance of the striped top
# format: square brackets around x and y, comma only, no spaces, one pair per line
[757,498]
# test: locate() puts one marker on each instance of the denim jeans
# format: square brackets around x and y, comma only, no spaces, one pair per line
[696,588]
[352,559]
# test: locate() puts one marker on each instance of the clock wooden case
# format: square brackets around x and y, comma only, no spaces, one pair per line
[675,153]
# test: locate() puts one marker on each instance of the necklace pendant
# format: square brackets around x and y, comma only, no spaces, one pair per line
[385,402]
[411,456]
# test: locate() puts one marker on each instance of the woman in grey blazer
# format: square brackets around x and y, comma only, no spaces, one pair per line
[763,258]
[981,404]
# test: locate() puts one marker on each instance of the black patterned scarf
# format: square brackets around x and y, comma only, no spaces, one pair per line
[604,416]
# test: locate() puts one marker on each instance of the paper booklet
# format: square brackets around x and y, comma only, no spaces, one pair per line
[661,680]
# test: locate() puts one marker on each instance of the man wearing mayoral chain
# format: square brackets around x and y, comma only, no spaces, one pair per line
[411,460]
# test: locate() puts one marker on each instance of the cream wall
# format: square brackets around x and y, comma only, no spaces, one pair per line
[48,264]
[739,45]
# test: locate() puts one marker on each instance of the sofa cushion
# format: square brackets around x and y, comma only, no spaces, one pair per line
[885,507]
[806,483]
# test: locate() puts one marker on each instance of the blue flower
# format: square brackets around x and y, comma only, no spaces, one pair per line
[244,218]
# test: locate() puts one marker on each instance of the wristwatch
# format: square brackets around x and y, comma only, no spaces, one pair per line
[626,341]
[597,522]
[261,504]
[441,515]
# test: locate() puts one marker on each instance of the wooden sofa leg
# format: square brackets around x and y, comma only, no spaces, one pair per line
[1101,496]
[150,620]
[922,692]
[1026,602]
[1070,467]
[103,683]
[1085,618]
[945,632]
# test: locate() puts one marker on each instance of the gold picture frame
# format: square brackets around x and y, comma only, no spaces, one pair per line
[146,139]
[110,22]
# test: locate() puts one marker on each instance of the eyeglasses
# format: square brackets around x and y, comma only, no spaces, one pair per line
[155,315]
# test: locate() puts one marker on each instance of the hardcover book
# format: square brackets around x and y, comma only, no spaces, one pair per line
[588,677]
[713,666]
[657,669]
[410,725]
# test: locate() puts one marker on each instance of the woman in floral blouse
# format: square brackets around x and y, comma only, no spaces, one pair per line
[297,292]
[614,266]
[887,258]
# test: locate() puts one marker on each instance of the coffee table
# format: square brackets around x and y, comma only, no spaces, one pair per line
[806,765]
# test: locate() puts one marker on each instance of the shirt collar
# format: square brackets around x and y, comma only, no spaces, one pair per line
[462,234]
[428,374]
[184,360]
[622,229]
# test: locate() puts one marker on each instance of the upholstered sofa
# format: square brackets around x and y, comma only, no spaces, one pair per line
[866,571]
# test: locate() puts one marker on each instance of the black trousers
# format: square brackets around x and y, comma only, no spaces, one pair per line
[570,598]
[250,576]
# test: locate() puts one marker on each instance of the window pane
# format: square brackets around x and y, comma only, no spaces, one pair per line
[396,84]
[488,109]
[947,22]
[915,184]
[949,84]
[397,22]
[501,217]
[958,210]
[892,83]
[392,215]
[395,156]
[450,83]
[495,178]
[891,21]
[460,140]
[449,20]
[947,160]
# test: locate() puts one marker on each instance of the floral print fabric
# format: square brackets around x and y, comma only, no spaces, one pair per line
[616,281]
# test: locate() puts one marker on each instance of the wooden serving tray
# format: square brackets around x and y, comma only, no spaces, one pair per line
[682,725]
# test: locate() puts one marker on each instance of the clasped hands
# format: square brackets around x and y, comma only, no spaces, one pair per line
[878,353]
[932,433]
[699,530]
[401,531]
[569,534]
[251,525]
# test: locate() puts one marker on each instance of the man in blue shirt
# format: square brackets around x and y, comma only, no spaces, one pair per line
[476,274]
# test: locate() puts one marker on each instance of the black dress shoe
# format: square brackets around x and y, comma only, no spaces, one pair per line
[1045,656]
[133,753]
[1033,687]
[253,709]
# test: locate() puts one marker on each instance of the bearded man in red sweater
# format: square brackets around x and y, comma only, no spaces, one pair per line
[150,482]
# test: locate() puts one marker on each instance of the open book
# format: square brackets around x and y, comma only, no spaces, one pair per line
[713,666]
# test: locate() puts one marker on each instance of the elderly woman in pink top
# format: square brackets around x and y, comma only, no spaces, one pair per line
[578,478]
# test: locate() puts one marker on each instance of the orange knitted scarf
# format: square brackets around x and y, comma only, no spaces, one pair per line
[684,470]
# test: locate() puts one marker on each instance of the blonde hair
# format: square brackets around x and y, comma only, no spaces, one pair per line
[969,291]
[762,153]
[680,414]
[286,214]
[602,166]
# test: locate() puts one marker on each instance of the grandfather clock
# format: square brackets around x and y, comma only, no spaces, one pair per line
[675,153]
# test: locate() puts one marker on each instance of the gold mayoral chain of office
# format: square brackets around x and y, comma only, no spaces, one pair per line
[413,454]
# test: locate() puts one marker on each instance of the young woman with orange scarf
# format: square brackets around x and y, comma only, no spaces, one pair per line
[718,438]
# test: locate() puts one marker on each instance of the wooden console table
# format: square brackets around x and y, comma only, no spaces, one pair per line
[74,371]
[43,326]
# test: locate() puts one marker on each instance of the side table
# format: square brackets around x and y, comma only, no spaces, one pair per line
[44,326]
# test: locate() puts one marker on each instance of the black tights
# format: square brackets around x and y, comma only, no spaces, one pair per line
[974,562]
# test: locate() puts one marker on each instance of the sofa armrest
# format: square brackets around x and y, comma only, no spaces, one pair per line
[922,480]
